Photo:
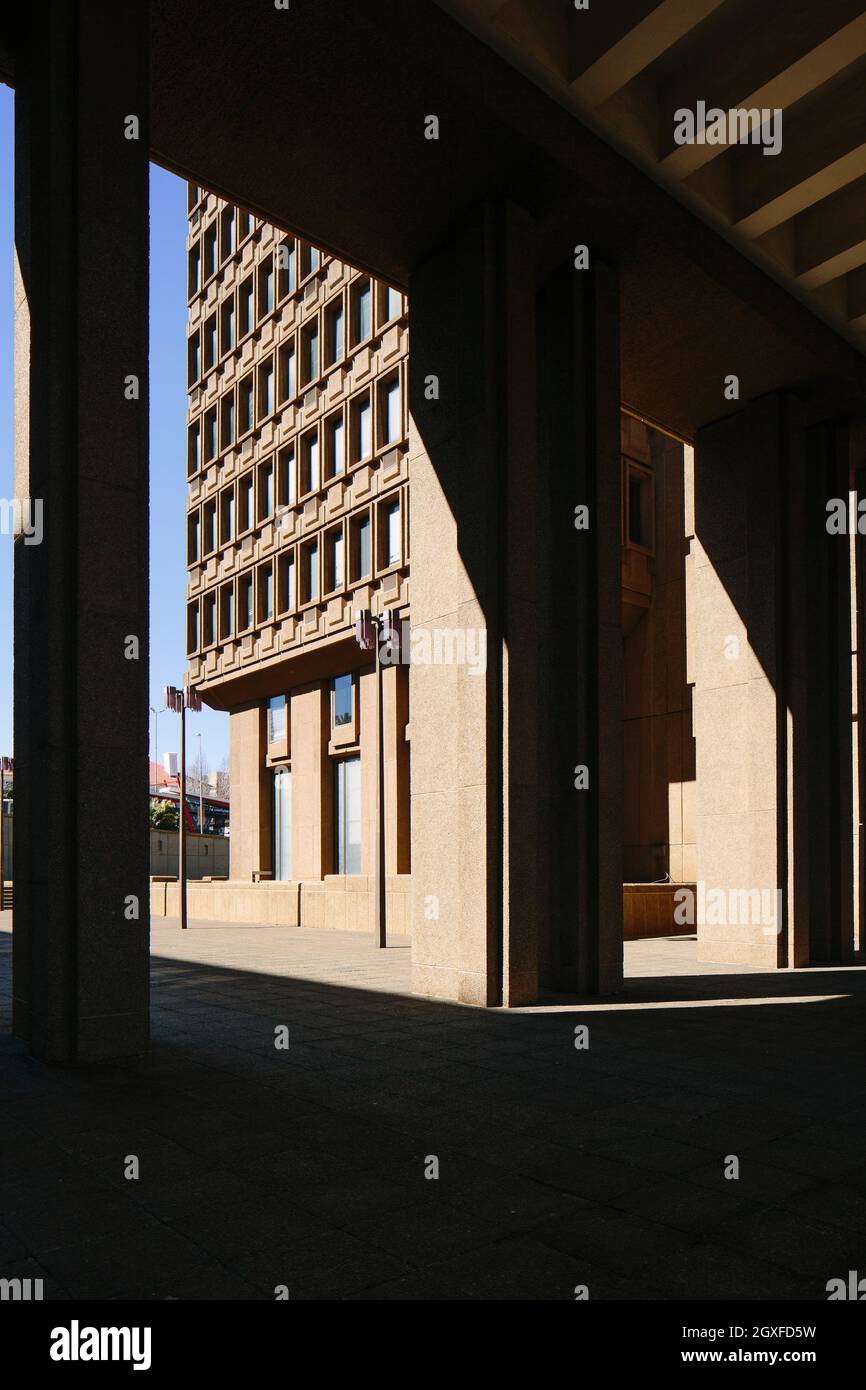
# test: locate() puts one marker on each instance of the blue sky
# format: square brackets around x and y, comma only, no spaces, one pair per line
[167,452]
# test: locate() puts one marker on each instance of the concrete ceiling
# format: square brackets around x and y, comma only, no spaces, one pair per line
[627,67]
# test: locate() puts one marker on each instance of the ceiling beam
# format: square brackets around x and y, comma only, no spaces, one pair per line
[638,47]
[830,237]
[764,79]
[824,147]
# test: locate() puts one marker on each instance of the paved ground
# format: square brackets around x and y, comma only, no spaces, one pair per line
[557,1167]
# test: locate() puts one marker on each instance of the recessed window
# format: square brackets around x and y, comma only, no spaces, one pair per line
[266,389]
[210,434]
[310,352]
[277,719]
[194,270]
[335,445]
[310,572]
[390,304]
[193,359]
[209,533]
[245,602]
[193,538]
[245,225]
[335,346]
[228,232]
[310,259]
[210,343]
[288,378]
[335,571]
[390,534]
[193,195]
[362,428]
[245,306]
[266,287]
[227,419]
[266,490]
[390,413]
[210,251]
[286,494]
[342,704]
[227,612]
[266,592]
[347,817]
[192,627]
[245,405]
[227,515]
[361,548]
[245,503]
[208,620]
[193,452]
[286,582]
[310,478]
[227,324]
[286,267]
[362,311]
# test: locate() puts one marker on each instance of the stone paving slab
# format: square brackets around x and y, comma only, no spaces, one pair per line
[314,1166]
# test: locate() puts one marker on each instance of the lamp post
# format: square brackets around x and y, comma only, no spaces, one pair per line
[370,632]
[156,713]
[179,699]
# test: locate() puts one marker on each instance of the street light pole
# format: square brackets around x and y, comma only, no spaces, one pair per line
[200,795]
[178,700]
[369,631]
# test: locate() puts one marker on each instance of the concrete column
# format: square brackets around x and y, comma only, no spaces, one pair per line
[474,539]
[770,638]
[580,631]
[312,783]
[251,794]
[81,596]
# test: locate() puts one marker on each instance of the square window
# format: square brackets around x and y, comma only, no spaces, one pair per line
[192,627]
[390,410]
[390,534]
[193,359]
[193,453]
[210,251]
[362,428]
[208,636]
[266,592]
[266,287]
[310,352]
[362,311]
[228,232]
[194,270]
[193,538]
[310,572]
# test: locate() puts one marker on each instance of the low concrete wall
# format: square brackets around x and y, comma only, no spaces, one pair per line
[648,910]
[339,903]
[205,854]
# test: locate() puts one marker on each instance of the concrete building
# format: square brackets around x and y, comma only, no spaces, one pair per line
[298,518]
[516,169]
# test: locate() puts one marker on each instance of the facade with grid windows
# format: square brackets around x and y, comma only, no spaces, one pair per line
[297,518]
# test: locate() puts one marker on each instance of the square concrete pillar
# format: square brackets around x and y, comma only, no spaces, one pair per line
[495,816]
[770,616]
[580,630]
[81,595]
[251,789]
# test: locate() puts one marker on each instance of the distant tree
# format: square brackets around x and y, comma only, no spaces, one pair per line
[223,780]
[163,815]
